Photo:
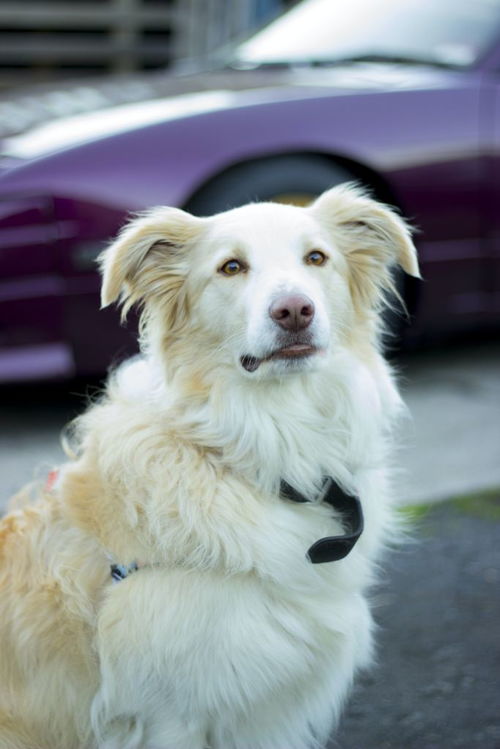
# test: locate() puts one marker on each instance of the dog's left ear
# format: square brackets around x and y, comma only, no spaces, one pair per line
[148,258]
[372,237]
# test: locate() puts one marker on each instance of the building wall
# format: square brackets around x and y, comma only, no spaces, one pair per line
[42,41]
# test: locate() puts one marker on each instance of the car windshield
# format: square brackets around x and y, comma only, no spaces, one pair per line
[443,32]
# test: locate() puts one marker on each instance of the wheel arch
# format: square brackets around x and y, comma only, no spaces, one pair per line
[381,188]
[376,182]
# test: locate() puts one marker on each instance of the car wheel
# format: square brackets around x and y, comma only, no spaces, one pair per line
[283,179]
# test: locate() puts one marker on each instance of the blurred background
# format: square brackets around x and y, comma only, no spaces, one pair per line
[108,107]
[63,39]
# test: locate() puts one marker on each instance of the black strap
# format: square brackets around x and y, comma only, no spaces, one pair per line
[332,548]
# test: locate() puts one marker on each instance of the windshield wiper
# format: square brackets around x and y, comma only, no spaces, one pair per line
[400,59]
[396,59]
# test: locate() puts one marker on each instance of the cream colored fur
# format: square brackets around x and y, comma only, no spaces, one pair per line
[227,636]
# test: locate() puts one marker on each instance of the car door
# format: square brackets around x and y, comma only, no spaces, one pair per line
[491,106]
[31,289]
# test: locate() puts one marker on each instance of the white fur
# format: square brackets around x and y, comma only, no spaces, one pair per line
[228,637]
[257,652]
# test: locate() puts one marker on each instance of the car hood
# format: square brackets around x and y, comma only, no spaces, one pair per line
[59,118]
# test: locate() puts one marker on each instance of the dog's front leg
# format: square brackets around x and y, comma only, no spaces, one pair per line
[145,699]
[121,732]
[160,730]
[128,732]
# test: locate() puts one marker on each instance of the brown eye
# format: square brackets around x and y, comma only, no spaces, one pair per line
[315,258]
[231,268]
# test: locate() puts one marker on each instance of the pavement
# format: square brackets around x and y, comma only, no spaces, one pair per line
[436,683]
[451,443]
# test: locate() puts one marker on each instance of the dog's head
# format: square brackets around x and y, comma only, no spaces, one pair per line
[266,289]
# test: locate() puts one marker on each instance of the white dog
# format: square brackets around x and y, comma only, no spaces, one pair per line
[195,575]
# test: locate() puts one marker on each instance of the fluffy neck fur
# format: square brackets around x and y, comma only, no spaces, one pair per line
[297,428]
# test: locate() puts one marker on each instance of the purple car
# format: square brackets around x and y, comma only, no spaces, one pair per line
[403,97]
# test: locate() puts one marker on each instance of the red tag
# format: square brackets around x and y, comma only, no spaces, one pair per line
[51,480]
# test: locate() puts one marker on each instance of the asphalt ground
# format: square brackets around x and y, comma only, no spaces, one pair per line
[436,684]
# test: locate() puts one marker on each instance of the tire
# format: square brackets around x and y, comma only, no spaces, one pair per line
[294,179]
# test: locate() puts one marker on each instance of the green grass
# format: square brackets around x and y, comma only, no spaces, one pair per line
[484,504]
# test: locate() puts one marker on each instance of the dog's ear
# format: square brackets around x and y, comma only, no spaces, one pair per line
[148,258]
[372,237]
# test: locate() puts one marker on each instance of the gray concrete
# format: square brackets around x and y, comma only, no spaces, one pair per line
[450,446]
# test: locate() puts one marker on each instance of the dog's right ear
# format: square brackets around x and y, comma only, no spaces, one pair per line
[148,258]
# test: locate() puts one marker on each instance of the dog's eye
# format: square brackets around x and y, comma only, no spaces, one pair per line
[232,267]
[315,257]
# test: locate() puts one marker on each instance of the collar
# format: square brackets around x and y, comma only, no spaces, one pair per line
[332,548]
[328,549]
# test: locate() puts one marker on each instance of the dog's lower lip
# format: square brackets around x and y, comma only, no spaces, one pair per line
[295,351]
[291,352]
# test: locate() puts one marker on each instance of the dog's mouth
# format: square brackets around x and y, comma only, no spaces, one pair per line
[292,352]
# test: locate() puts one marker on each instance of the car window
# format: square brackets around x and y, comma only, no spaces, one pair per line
[451,32]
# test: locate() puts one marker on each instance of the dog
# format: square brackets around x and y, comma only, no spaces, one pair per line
[195,576]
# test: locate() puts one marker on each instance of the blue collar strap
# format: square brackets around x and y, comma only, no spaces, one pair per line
[332,548]
[121,571]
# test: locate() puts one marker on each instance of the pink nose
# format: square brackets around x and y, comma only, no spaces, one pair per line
[294,312]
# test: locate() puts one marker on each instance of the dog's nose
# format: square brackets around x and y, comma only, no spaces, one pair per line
[293,312]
